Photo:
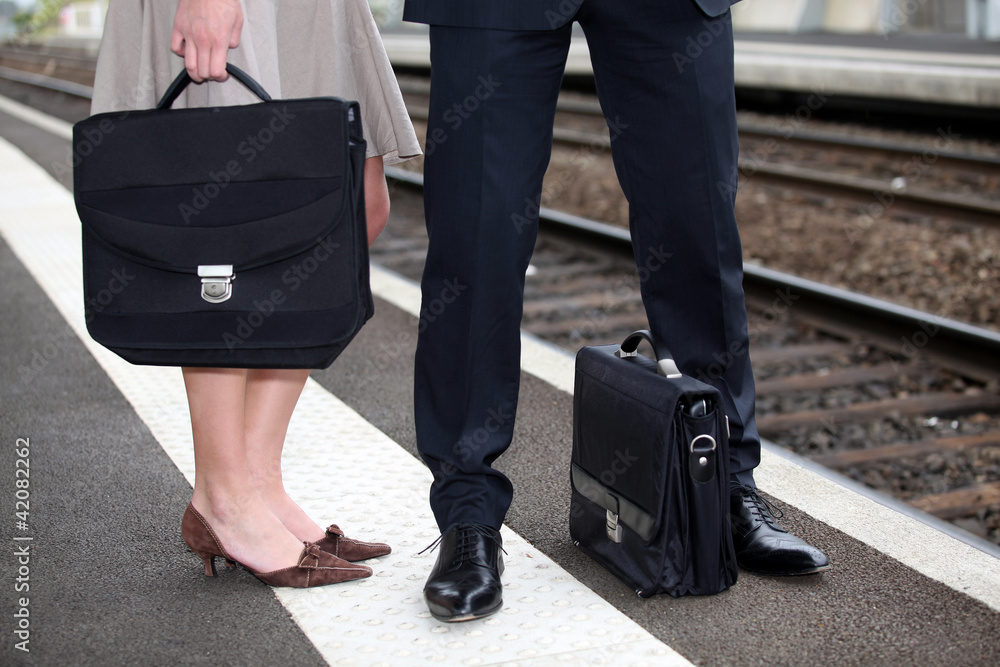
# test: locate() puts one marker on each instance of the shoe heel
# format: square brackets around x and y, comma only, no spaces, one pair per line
[202,541]
[209,561]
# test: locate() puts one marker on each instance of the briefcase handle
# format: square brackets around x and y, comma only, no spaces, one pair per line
[665,364]
[183,79]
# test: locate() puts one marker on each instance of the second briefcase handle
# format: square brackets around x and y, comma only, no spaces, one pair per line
[664,361]
[183,79]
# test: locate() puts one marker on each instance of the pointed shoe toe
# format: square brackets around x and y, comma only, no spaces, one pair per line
[781,555]
[315,567]
[351,550]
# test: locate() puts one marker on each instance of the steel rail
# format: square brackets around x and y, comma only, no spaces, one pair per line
[870,191]
[970,350]
[71,58]
[865,191]
[817,137]
[973,351]
[798,134]
[46,82]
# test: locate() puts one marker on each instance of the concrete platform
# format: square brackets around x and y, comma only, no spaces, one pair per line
[929,69]
[110,461]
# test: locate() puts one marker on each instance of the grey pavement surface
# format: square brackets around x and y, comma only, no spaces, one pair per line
[112,582]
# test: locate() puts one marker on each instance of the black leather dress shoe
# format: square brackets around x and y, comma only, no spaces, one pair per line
[465,582]
[764,547]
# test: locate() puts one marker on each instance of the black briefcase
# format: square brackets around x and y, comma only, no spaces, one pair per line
[224,236]
[650,472]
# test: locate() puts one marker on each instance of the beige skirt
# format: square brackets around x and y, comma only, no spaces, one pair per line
[293,48]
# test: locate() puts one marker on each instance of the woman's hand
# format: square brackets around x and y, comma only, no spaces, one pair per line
[204,31]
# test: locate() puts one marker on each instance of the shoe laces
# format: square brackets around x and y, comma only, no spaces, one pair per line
[465,542]
[760,507]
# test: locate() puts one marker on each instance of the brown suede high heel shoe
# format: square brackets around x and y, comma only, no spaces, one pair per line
[336,543]
[315,567]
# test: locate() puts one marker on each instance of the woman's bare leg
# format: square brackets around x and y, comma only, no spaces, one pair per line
[270,400]
[271,395]
[224,490]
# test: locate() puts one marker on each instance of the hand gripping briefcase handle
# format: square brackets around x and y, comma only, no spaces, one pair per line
[183,79]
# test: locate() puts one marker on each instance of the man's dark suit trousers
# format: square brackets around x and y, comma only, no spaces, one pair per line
[664,74]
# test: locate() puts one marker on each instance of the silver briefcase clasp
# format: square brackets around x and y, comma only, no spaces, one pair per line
[216,282]
[612,527]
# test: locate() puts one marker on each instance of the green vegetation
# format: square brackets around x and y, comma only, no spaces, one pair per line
[45,13]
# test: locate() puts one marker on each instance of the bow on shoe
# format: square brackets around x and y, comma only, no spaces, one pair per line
[338,544]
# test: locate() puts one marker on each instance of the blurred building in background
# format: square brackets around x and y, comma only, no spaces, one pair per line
[84,18]
[8,10]
[978,19]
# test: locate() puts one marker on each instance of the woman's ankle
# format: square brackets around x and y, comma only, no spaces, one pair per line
[249,531]
[293,516]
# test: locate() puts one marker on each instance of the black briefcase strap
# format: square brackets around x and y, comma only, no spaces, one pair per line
[633,516]
[665,364]
[183,79]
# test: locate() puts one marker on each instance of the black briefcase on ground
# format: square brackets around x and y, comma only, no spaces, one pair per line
[650,472]
[224,236]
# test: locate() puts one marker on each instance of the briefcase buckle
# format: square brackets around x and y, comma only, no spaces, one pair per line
[701,463]
[614,530]
[216,282]
[611,525]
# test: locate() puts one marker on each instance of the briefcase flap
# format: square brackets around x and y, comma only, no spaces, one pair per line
[256,166]
[626,432]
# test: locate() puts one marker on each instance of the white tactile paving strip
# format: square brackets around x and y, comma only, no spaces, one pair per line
[356,476]
[912,542]
[39,223]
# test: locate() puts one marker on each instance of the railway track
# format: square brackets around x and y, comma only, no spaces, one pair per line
[64,65]
[921,179]
[896,398]
[904,401]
